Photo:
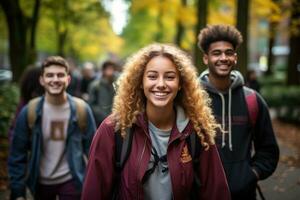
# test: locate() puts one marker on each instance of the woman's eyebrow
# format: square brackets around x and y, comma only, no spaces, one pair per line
[151,71]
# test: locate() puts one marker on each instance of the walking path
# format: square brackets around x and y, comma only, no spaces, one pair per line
[284,184]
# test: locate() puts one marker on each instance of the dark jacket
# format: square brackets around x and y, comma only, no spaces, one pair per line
[101,173]
[230,110]
[101,96]
[24,171]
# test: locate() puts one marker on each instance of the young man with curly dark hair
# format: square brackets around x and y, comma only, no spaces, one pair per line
[242,113]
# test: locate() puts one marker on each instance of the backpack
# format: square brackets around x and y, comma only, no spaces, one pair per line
[252,106]
[80,112]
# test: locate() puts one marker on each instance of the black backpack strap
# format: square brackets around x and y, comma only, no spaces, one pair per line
[122,150]
[126,147]
[195,147]
[192,144]
[123,147]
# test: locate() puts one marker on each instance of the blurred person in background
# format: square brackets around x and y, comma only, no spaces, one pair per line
[30,87]
[88,75]
[101,92]
[75,84]
[251,80]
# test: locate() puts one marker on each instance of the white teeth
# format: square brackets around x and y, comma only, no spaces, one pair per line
[160,94]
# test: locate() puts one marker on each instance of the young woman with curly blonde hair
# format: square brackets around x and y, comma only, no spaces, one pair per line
[160,100]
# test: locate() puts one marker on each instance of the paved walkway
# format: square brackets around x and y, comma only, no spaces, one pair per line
[284,184]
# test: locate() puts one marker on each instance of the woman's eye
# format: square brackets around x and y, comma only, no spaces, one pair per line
[151,76]
[170,77]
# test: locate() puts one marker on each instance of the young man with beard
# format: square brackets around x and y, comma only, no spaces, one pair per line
[49,155]
[243,167]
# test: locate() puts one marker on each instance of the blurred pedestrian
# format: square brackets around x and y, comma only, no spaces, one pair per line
[101,92]
[75,83]
[251,80]
[88,75]
[30,87]
[241,126]
[56,131]
[159,99]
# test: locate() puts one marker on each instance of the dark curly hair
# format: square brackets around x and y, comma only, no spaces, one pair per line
[30,86]
[215,33]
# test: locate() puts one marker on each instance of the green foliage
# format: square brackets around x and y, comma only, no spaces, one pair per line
[277,79]
[156,21]
[9,97]
[139,32]
[285,99]
[76,28]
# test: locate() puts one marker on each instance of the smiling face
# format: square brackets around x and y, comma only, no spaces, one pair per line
[160,83]
[55,80]
[220,59]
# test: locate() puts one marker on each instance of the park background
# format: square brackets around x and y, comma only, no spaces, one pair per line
[97,30]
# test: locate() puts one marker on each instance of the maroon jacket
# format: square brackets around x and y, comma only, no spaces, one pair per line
[101,172]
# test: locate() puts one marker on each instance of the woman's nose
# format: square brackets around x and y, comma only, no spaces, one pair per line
[161,82]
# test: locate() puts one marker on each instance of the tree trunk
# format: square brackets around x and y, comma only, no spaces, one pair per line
[272,33]
[17,31]
[293,74]
[201,23]
[242,26]
[34,22]
[18,25]
[180,28]
[62,37]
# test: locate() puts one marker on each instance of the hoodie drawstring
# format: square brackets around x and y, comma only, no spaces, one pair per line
[229,120]
[224,120]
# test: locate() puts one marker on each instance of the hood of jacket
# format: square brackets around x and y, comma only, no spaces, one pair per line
[236,77]
[182,120]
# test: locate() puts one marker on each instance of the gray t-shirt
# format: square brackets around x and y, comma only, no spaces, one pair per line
[158,186]
[54,168]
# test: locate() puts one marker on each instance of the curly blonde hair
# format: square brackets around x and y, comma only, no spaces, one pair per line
[130,100]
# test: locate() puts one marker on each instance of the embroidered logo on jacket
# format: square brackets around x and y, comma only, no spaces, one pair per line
[185,155]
